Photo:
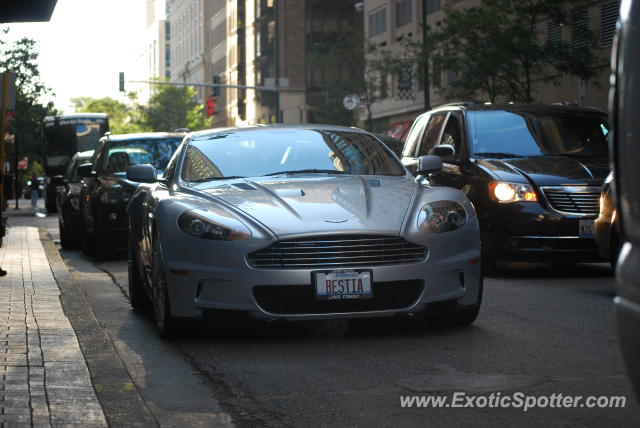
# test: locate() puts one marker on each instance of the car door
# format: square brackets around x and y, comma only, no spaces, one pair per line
[424,135]
[453,168]
[89,186]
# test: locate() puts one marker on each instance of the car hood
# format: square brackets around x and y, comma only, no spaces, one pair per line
[549,171]
[297,205]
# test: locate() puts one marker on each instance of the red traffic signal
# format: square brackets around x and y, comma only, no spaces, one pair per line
[211,106]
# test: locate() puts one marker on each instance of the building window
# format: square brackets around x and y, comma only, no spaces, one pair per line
[554,32]
[378,21]
[403,12]
[579,29]
[608,16]
[433,6]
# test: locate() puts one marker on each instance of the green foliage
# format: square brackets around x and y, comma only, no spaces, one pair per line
[22,58]
[122,119]
[34,167]
[496,48]
[172,107]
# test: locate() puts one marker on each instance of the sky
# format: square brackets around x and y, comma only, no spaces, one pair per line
[84,46]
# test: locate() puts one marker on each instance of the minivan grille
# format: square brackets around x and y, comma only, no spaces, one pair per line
[337,250]
[574,199]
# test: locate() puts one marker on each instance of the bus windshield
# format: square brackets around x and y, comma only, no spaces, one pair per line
[64,136]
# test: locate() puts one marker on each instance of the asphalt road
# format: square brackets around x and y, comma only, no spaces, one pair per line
[540,332]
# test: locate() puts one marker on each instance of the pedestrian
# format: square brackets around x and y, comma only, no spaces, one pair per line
[35,190]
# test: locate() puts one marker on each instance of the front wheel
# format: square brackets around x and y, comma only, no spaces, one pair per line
[137,295]
[461,317]
[165,323]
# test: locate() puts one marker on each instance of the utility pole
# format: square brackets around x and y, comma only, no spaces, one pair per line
[425,81]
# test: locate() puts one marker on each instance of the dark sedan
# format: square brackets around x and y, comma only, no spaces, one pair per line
[106,192]
[68,187]
[533,172]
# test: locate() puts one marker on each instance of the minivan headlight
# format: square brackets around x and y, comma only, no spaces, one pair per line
[504,192]
[441,216]
[207,225]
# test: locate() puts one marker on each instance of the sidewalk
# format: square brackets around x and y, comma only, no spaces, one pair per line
[45,380]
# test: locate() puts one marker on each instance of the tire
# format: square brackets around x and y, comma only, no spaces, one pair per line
[489,265]
[165,323]
[67,241]
[102,249]
[137,295]
[615,246]
[461,317]
[87,243]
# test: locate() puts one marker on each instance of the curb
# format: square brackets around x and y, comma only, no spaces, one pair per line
[121,402]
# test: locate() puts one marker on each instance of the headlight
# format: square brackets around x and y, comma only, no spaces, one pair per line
[441,216]
[75,202]
[216,226]
[114,196]
[504,192]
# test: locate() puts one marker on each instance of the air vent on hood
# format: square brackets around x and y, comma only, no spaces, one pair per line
[244,186]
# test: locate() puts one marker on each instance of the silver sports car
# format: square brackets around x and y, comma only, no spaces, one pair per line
[299,222]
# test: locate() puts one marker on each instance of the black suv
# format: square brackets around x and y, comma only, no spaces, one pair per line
[106,192]
[533,172]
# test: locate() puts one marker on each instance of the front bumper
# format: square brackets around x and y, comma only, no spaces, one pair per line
[205,276]
[529,232]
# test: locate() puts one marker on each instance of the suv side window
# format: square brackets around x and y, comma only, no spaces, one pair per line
[414,135]
[71,168]
[431,135]
[452,134]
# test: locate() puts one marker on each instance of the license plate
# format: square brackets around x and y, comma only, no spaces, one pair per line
[343,284]
[586,229]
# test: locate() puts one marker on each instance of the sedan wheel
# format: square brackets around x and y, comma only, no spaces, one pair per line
[137,295]
[165,323]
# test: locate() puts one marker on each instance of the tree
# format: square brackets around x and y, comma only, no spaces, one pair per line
[495,48]
[22,58]
[172,107]
[122,119]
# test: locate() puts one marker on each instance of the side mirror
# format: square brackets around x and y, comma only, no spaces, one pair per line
[429,163]
[57,180]
[86,170]
[446,152]
[142,173]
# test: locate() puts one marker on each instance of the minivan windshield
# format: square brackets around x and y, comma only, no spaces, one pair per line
[538,133]
[252,153]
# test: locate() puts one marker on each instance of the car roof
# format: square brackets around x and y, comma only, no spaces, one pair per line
[203,135]
[143,136]
[533,107]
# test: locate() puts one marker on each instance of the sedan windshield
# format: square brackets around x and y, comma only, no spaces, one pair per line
[252,153]
[157,152]
[544,133]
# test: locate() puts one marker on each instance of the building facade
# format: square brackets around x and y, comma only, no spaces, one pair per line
[154,60]
[388,22]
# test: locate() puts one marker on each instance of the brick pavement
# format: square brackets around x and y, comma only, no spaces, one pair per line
[45,381]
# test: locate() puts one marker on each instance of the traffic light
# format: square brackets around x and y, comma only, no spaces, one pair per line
[121,81]
[216,89]
[211,106]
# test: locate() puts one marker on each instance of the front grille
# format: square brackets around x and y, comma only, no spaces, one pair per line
[574,199]
[337,250]
[301,299]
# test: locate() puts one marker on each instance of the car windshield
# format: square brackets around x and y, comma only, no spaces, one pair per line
[287,151]
[157,152]
[538,133]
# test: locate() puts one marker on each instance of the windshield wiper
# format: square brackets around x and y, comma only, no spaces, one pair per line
[212,178]
[306,171]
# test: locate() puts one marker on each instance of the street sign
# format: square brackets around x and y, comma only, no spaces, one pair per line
[23,163]
[350,101]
